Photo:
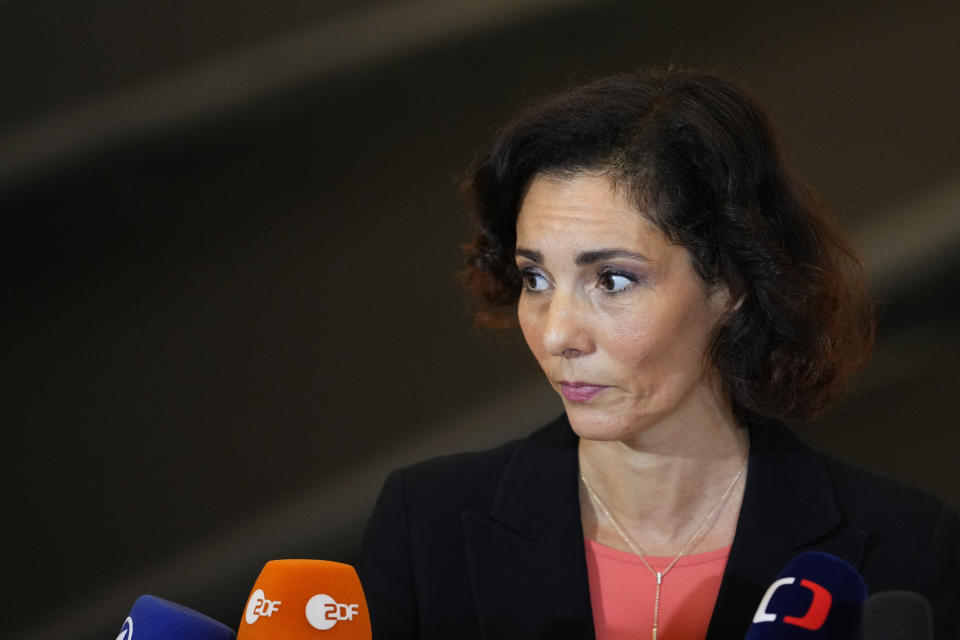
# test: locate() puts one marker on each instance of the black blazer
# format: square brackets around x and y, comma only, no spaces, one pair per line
[490,545]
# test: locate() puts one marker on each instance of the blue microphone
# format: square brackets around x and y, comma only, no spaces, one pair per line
[816,596]
[153,618]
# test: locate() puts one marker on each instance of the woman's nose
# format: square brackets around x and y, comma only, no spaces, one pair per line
[566,333]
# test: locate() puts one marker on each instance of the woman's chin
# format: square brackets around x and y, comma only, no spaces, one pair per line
[593,423]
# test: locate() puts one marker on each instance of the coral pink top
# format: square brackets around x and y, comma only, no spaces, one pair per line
[622,593]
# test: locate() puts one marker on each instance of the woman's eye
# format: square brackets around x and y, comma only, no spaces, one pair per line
[533,281]
[613,282]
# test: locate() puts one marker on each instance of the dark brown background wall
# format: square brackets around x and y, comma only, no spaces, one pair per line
[230,242]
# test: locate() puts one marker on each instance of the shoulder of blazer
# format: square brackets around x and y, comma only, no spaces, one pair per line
[882,503]
[475,481]
[799,500]
[912,540]
[483,544]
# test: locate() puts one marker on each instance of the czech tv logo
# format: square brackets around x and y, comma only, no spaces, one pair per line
[323,612]
[812,619]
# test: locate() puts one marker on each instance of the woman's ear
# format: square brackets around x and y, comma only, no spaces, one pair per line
[736,303]
[722,300]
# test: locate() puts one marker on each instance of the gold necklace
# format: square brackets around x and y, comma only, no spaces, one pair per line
[640,553]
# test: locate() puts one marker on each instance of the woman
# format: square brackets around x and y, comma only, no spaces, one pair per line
[686,296]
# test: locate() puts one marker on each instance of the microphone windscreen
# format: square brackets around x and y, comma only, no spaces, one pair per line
[306,599]
[897,615]
[153,618]
[817,595]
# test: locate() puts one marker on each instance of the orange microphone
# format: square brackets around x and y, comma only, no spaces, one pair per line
[306,600]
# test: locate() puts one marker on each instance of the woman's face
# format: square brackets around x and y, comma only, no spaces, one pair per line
[614,313]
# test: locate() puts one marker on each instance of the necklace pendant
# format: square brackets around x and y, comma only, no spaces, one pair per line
[659,578]
[654,633]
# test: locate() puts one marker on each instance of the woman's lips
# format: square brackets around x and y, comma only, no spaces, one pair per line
[580,391]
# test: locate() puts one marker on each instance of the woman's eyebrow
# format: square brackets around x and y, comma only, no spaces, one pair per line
[536,256]
[590,257]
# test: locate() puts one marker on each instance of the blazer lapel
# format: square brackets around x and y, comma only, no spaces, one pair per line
[789,507]
[526,556]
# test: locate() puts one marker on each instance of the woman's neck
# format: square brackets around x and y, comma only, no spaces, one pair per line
[662,485]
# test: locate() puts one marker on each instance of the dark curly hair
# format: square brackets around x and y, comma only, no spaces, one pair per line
[702,162]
